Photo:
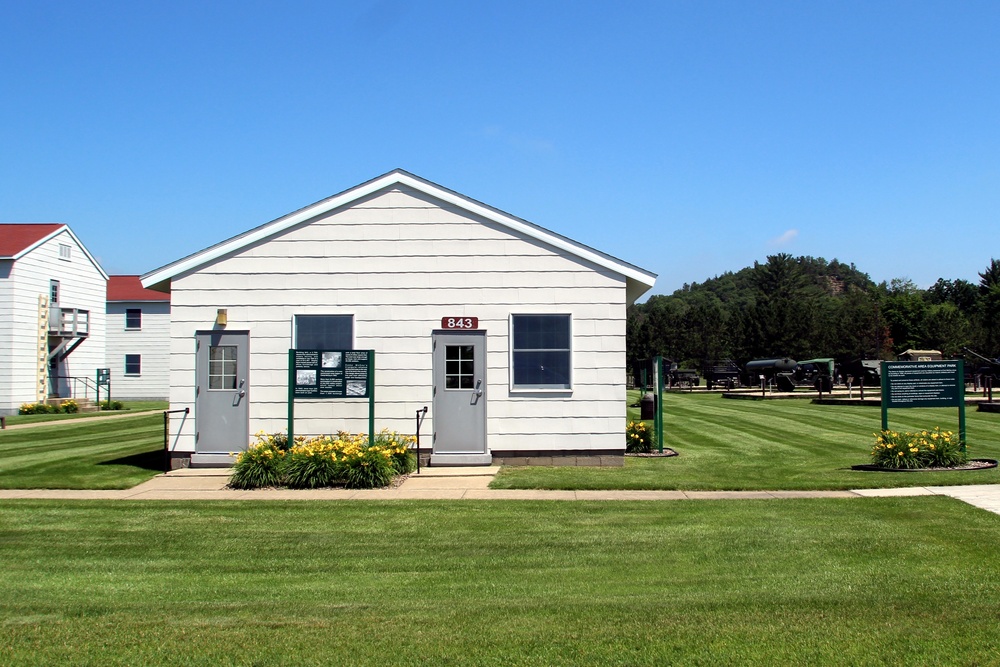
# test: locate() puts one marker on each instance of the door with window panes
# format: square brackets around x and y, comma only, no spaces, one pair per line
[459,392]
[222,417]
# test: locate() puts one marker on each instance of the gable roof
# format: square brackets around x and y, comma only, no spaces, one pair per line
[638,280]
[128,288]
[17,239]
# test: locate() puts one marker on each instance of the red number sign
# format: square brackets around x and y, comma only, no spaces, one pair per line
[459,322]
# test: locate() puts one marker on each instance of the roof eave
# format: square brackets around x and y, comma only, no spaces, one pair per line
[158,277]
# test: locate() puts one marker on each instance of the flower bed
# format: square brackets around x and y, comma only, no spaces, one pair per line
[921,450]
[351,461]
[68,406]
[638,438]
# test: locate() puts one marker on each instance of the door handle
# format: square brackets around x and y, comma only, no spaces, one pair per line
[479,390]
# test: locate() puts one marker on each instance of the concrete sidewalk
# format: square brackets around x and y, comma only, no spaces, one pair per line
[463,484]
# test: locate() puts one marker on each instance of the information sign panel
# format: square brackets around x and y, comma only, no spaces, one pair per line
[103,377]
[924,384]
[331,374]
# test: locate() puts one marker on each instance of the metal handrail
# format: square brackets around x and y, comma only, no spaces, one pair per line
[166,434]
[420,420]
[88,384]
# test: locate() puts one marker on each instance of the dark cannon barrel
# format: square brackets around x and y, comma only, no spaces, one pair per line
[767,366]
[780,371]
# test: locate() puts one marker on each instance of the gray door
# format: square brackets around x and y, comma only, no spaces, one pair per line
[222,418]
[459,392]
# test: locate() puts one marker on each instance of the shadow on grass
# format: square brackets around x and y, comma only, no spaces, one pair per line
[151,460]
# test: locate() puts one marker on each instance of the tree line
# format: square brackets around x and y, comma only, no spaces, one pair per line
[807,307]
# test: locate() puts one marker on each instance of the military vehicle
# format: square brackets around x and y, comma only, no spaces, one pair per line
[780,372]
[723,373]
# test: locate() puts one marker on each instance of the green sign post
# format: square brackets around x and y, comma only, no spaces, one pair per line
[329,374]
[658,417]
[924,384]
[103,380]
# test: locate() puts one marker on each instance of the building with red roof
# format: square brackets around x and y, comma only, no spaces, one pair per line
[52,315]
[138,340]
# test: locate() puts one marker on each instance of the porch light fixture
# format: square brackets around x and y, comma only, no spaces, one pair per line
[221,318]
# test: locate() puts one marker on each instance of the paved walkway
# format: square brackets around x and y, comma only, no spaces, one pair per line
[462,484]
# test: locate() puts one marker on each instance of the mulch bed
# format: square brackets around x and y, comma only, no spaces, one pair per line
[652,455]
[973,464]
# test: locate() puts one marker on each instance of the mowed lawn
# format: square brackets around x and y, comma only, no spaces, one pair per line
[726,444]
[110,453]
[133,406]
[817,582]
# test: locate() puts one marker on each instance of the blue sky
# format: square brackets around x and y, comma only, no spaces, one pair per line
[689,138]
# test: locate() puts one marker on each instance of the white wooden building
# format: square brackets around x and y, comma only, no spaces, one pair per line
[138,340]
[513,336]
[51,315]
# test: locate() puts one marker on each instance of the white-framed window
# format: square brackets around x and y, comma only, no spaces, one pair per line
[324,332]
[54,292]
[223,366]
[133,364]
[133,318]
[65,251]
[541,352]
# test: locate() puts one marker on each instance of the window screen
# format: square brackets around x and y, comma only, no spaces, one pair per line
[133,318]
[541,351]
[324,332]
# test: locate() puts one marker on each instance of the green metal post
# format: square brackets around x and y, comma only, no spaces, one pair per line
[658,417]
[371,396]
[291,397]
[961,402]
[885,398]
[98,389]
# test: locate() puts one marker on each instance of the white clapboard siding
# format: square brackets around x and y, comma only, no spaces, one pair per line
[399,261]
[82,284]
[151,342]
[8,398]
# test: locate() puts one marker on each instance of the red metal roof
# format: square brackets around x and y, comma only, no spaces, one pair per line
[128,288]
[17,237]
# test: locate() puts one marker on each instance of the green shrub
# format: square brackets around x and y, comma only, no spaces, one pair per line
[312,464]
[924,449]
[112,405]
[70,406]
[258,467]
[404,461]
[38,409]
[371,468]
[638,438]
